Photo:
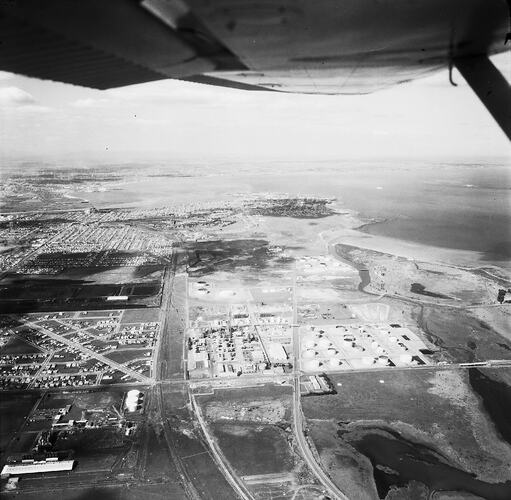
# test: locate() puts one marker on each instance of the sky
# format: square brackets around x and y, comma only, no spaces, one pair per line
[169,119]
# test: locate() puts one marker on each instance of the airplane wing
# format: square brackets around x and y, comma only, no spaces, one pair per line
[305,46]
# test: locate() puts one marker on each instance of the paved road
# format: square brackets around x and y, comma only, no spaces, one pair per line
[492,363]
[186,480]
[330,487]
[233,479]
[43,366]
[168,280]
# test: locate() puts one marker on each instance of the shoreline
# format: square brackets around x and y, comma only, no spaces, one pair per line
[364,229]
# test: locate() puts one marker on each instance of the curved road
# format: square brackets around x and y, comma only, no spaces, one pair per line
[330,487]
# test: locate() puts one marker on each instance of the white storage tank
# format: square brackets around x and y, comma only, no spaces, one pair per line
[324,343]
[309,354]
[334,362]
[132,400]
[311,365]
[405,358]
[382,360]
[357,348]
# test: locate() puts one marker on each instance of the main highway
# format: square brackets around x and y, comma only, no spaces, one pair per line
[330,488]
[228,472]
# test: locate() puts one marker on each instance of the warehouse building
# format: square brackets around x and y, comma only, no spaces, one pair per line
[32,466]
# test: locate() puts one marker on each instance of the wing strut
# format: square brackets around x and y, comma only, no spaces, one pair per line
[490,86]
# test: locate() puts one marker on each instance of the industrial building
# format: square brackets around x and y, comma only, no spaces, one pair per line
[32,466]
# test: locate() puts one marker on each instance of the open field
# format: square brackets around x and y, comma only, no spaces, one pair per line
[127,355]
[240,256]
[14,408]
[436,412]
[18,346]
[252,428]
[121,274]
[273,404]
[439,283]
[253,450]
[28,293]
[190,450]
[139,315]
[499,319]
[461,336]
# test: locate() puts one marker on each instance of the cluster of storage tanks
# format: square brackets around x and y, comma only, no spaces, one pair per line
[319,353]
[399,349]
[133,400]
[315,347]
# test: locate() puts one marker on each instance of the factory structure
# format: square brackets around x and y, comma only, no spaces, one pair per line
[32,465]
[241,342]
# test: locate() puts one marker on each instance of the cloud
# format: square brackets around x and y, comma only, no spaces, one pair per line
[16,99]
[4,75]
[14,96]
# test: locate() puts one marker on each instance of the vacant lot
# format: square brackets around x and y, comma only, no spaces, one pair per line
[140,315]
[263,404]
[13,410]
[463,337]
[208,257]
[28,293]
[437,409]
[259,449]
[126,355]
[18,346]
[123,274]
[190,449]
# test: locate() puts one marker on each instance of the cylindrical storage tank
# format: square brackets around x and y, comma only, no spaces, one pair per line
[311,365]
[132,399]
[133,395]
[323,343]
[131,407]
[382,360]
[334,362]
[405,358]
[309,354]
[392,339]
[331,352]
[309,343]
[358,348]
